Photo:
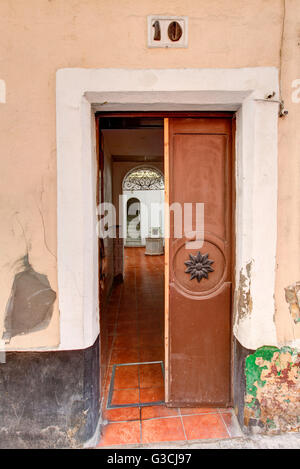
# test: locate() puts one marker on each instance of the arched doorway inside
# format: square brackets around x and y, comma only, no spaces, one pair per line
[133,227]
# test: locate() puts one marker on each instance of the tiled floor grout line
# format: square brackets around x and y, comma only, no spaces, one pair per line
[138,334]
[141,430]
[220,413]
[136,387]
[112,344]
[164,417]
[116,322]
[112,348]
[183,427]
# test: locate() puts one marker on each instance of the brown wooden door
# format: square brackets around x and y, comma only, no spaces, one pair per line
[199,168]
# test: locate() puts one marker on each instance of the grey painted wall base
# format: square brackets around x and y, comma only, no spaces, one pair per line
[239,385]
[49,399]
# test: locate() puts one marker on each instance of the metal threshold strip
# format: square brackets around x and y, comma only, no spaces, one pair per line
[139,404]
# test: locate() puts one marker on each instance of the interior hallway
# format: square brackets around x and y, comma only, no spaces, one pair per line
[136,332]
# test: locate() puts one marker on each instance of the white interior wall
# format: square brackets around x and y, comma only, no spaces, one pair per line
[152,210]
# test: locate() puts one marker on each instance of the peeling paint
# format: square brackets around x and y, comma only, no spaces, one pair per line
[292,296]
[272,400]
[243,297]
[30,305]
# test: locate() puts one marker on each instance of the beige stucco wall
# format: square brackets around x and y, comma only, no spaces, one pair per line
[288,243]
[41,36]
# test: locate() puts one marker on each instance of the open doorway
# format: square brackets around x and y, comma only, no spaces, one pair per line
[154,375]
[143,207]
[133,222]
[131,264]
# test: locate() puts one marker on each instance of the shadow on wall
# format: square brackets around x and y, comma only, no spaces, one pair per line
[30,306]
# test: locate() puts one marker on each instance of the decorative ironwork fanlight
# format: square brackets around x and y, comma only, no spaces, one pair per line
[199,266]
[143,179]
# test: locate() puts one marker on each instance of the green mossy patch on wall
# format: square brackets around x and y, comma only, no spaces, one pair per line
[272,400]
[254,371]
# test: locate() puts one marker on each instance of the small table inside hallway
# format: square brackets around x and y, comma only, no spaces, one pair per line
[154,246]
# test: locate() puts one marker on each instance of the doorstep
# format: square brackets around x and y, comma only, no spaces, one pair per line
[160,425]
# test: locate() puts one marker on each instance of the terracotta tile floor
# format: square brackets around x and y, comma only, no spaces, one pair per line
[136,335]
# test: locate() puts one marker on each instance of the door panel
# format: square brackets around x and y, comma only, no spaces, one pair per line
[199,312]
[105,256]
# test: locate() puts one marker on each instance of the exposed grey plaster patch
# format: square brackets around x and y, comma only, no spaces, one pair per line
[243,306]
[30,305]
[292,296]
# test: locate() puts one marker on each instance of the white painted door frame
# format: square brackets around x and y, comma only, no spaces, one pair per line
[82,92]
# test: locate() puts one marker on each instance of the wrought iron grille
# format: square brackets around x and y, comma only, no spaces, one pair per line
[143,179]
